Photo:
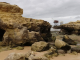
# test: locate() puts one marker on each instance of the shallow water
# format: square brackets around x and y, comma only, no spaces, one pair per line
[78,44]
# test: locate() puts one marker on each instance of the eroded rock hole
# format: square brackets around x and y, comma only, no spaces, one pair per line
[1,34]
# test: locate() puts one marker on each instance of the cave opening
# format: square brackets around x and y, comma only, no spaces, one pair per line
[1,34]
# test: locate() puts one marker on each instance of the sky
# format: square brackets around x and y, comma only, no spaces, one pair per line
[49,10]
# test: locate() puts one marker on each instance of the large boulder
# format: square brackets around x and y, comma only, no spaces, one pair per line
[17,30]
[68,40]
[20,36]
[40,46]
[62,45]
[59,43]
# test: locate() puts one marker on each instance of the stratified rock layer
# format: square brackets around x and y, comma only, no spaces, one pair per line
[18,30]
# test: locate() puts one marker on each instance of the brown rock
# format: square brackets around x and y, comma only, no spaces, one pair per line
[68,40]
[70,28]
[18,30]
[40,46]
[62,45]
[51,52]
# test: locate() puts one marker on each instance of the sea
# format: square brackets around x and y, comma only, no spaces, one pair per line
[52,29]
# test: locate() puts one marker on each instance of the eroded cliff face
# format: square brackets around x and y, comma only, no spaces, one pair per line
[17,30]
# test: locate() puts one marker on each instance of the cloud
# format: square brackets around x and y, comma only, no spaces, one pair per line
[77,17]
[47,8]
[62,10]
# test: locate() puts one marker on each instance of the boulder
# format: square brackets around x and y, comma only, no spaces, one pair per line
[68,40]
[40,46]
[59,43]
[17,30]
[62,45]
[51,52]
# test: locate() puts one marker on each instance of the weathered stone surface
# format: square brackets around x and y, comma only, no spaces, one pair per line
[15,36]
[6,7]
[29,53]
[18,30]
[70,28]
[51,52]
[15,56]
[28,56]
[59,43]
[68,40]
[40,46]
[32,56]
[62,45]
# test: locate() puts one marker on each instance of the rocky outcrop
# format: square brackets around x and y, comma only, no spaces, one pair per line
[40,46]
[18,30]
[70,28]
[68,40]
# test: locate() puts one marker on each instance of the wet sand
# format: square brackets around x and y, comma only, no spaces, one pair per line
[4,54]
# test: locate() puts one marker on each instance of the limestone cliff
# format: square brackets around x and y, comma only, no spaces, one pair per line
[17,30]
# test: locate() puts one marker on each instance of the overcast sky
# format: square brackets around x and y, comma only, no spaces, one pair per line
[49,10]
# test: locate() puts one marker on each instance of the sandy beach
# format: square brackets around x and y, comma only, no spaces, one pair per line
[4,54]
